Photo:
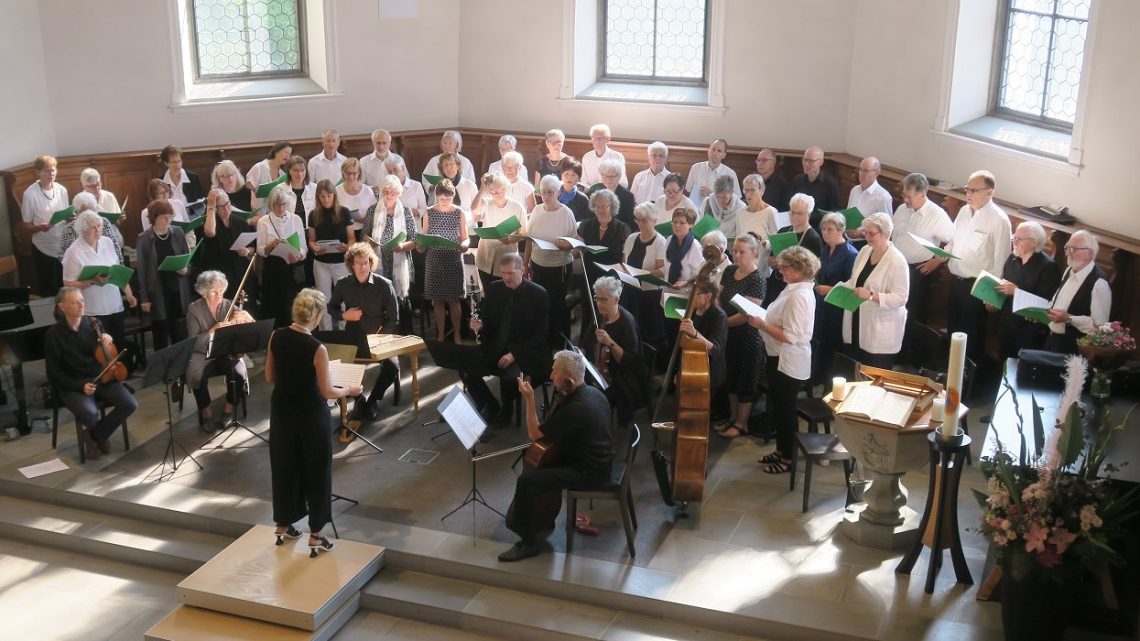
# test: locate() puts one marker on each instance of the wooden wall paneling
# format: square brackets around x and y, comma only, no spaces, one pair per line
[127,174]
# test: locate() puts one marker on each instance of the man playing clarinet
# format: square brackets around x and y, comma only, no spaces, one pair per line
[73,371]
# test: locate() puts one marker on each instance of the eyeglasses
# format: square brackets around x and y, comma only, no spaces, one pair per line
[972,190]
[216,292]
[1020,238]
[870,232]
[1073,250]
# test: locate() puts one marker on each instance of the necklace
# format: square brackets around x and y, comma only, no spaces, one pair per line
[162,236]
[49,193]
[300,328]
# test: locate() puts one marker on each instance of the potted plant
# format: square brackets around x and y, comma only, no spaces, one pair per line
[1052,519]
[1107,348]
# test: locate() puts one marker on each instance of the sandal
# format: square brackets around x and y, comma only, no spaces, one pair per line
[769,459]
[582,524]
[734,431]
[722,426]
[779,467]
[289,533]
[322,545]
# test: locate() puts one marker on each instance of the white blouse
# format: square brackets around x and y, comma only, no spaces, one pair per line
[358,203]
[100,300]
[549,225]
[259,175]
[665,213]
[794,312]
[272,226]
[179,213]
[37,207]
[881,324]
[654,252]
[489,251]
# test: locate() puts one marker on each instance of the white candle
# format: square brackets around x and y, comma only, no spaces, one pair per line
[957,366]
[838,388]
[938,409]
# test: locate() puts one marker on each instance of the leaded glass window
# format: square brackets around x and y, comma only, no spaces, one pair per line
[247,38]
[1042,58]
[655,40]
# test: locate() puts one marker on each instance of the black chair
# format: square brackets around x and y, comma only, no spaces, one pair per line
[819,447]
[618,490]
[813,410]
[78,427]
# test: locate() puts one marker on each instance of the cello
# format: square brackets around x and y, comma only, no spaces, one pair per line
[681,476]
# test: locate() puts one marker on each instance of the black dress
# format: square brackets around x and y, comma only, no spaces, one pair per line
[300,434]
[625,390]
[744,349]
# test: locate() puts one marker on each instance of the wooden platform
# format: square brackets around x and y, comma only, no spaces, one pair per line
[278,585]
[187,623]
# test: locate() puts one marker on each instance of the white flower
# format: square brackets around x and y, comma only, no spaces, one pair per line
[1076,371]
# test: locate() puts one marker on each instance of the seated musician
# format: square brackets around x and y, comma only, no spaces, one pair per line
[512,326]
[69,347]
[578,424]
[204,317]
[615,349]
[366,301]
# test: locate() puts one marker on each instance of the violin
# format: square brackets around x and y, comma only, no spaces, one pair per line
[107,355]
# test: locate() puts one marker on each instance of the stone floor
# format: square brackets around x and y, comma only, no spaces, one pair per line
[747,549]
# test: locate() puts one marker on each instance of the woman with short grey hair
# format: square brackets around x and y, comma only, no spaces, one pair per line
[450,143]
[103,299]
[724,205]
[205,316]
[873,333]
[1028,268]
[283,272]
[614,348]
[645,249]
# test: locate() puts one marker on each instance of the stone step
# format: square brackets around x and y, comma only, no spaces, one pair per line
[516,615]
[120,538]
[282,585]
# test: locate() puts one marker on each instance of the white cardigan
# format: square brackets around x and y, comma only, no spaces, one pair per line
[881,325]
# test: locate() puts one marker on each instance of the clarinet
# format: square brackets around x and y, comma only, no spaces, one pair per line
[473,298]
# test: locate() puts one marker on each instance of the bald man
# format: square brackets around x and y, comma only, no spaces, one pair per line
[869,196]
[816,184]
[776,192]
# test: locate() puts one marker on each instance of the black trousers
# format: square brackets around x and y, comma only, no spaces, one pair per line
[863,357]
[49,273]
[86,410]
[482,395]
[532,484]
[916,301]
[553,280]
[782,390]
[166,330]
[216,367]
[300,463]
[389,373]
[968,314]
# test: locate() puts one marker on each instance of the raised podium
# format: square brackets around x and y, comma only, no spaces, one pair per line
[254,589]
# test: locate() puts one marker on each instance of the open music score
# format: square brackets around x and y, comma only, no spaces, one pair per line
[346,375]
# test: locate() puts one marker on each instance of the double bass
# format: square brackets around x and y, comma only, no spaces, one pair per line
[681,473]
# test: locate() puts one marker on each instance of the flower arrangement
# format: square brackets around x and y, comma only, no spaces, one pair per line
[1047,515]
[1113,335]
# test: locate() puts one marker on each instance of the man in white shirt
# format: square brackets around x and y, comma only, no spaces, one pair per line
[1083,301]
[507,144]
[869,196]
[372,166]
[600,139]
[702,175]
[981,241]
[919,215]
[326,165]
[649,183]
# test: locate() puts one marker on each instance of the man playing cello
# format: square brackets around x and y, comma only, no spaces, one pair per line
[579,426]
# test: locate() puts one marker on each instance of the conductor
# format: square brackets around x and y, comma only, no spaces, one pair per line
[579,426]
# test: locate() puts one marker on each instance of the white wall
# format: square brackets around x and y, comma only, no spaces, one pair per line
[895,93]
[111,88]
[26,127]
[783,87]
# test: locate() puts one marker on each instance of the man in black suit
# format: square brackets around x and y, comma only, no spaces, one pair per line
[512,329]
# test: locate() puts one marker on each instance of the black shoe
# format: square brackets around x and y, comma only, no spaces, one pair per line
[490,412]
[322,545]
[503,420]
[289,533]
[104,446]
[518,552]
[372,411]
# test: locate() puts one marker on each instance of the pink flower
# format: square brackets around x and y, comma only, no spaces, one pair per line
[1089,518]
[1062,539]
[1035,538]
[1049,557]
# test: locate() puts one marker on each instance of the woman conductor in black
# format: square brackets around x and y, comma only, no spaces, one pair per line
[300,428]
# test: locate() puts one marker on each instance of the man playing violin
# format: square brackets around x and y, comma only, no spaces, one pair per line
[73,370]
[578,425]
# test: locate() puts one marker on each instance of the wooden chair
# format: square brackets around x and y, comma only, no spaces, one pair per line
[618,490]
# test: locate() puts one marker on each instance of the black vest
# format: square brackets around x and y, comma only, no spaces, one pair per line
[1081,305]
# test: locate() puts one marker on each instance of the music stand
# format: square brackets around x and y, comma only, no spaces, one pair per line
[448,355]
[457,410]
[166,366]
[231,342]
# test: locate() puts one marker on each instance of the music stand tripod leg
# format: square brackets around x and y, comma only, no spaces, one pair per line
[172,444]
